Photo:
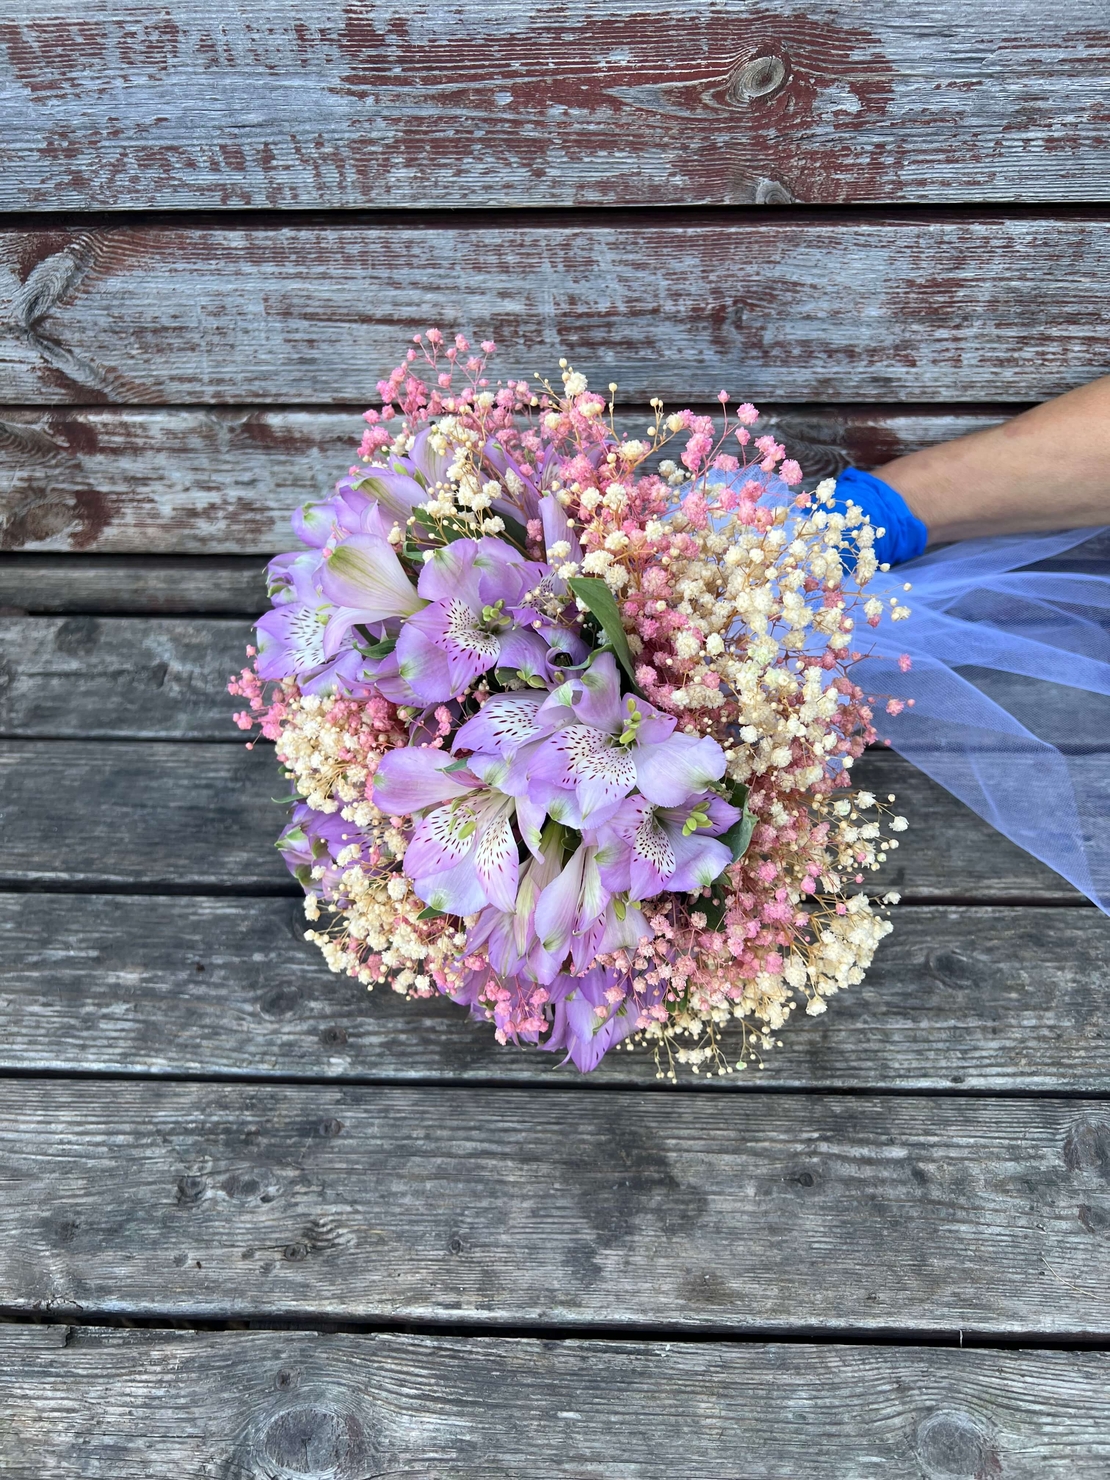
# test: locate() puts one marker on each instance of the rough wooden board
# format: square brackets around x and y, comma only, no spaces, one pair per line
[81,1403]
[123,480]
[197,816]
[985,999]
[386,105]
[166,678]
[156,482]
[229,585]
[140,815]
[109,677]
[791,308]
[719,1213]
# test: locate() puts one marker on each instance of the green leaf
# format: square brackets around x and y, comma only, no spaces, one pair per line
[602,605]
[515,531]
[378,649]
[430,914]
[713,908]
[739,834]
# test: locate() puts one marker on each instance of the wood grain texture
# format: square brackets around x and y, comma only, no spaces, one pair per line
[198,816]
[782,308]
[166,678]
[137,815]
[202,481]
[88,1403]
[120,677]
[1004,1000]
[95,585]
[742,1213]
[390,105]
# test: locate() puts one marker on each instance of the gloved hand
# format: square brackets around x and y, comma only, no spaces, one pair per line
[905,537]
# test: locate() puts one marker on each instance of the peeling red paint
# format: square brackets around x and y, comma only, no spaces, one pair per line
[570,106]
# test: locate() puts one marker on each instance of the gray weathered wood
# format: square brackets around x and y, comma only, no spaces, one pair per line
[228,585]
[989,999]
[198,816]
[508,105]
[634,1208]
[166,678]
[140,815]
[134,479]
[788,308]
[109,677]
[82,1403]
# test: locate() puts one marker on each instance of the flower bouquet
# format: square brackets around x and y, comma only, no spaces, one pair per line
[570,724]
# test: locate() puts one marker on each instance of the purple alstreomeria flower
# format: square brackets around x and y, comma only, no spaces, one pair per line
[463,853]
[593,1013]
[469,624]
[645,850]
[291,634]
[584,738]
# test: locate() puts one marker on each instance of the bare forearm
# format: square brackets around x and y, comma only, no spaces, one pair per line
[1048,468]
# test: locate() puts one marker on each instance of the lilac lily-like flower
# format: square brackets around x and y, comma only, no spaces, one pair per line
[314,839]
[646,850]
[577,913]
[367,583]
[509,936]
[602,747]
[291,634]
[463,853]
[466,625]
[592,1014]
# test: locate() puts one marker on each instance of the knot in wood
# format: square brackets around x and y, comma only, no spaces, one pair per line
[762,77]
[312,1441]
[952,1446]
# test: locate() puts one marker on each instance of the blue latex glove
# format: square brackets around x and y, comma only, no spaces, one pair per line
[906,536]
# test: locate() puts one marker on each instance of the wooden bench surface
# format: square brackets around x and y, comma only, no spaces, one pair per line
[255,1222]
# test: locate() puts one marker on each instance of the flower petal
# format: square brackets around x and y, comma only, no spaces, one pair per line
[423,666]
[670,772]
[365,574]
[408,780]
[557,906]
[443,839]
[457,892]
[496,861]
[699,859]
[598,699]
[503,724]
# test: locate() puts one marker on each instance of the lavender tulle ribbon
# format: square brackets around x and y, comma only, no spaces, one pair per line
[1009,647]
[1009,643]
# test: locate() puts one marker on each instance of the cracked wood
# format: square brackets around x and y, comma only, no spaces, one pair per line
[797,309]
[157,1404]
[394,106]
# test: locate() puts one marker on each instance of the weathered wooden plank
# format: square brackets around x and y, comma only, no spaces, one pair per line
[166,678]
[987,999]
[507,105]
[134,479]
[82,1403]
[136,813]
[94,585]
[796,309]
[120,677]
[757,1213]
[197,816]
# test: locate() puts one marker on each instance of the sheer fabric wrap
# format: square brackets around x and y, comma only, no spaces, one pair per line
[1009,642]
[1009,647]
